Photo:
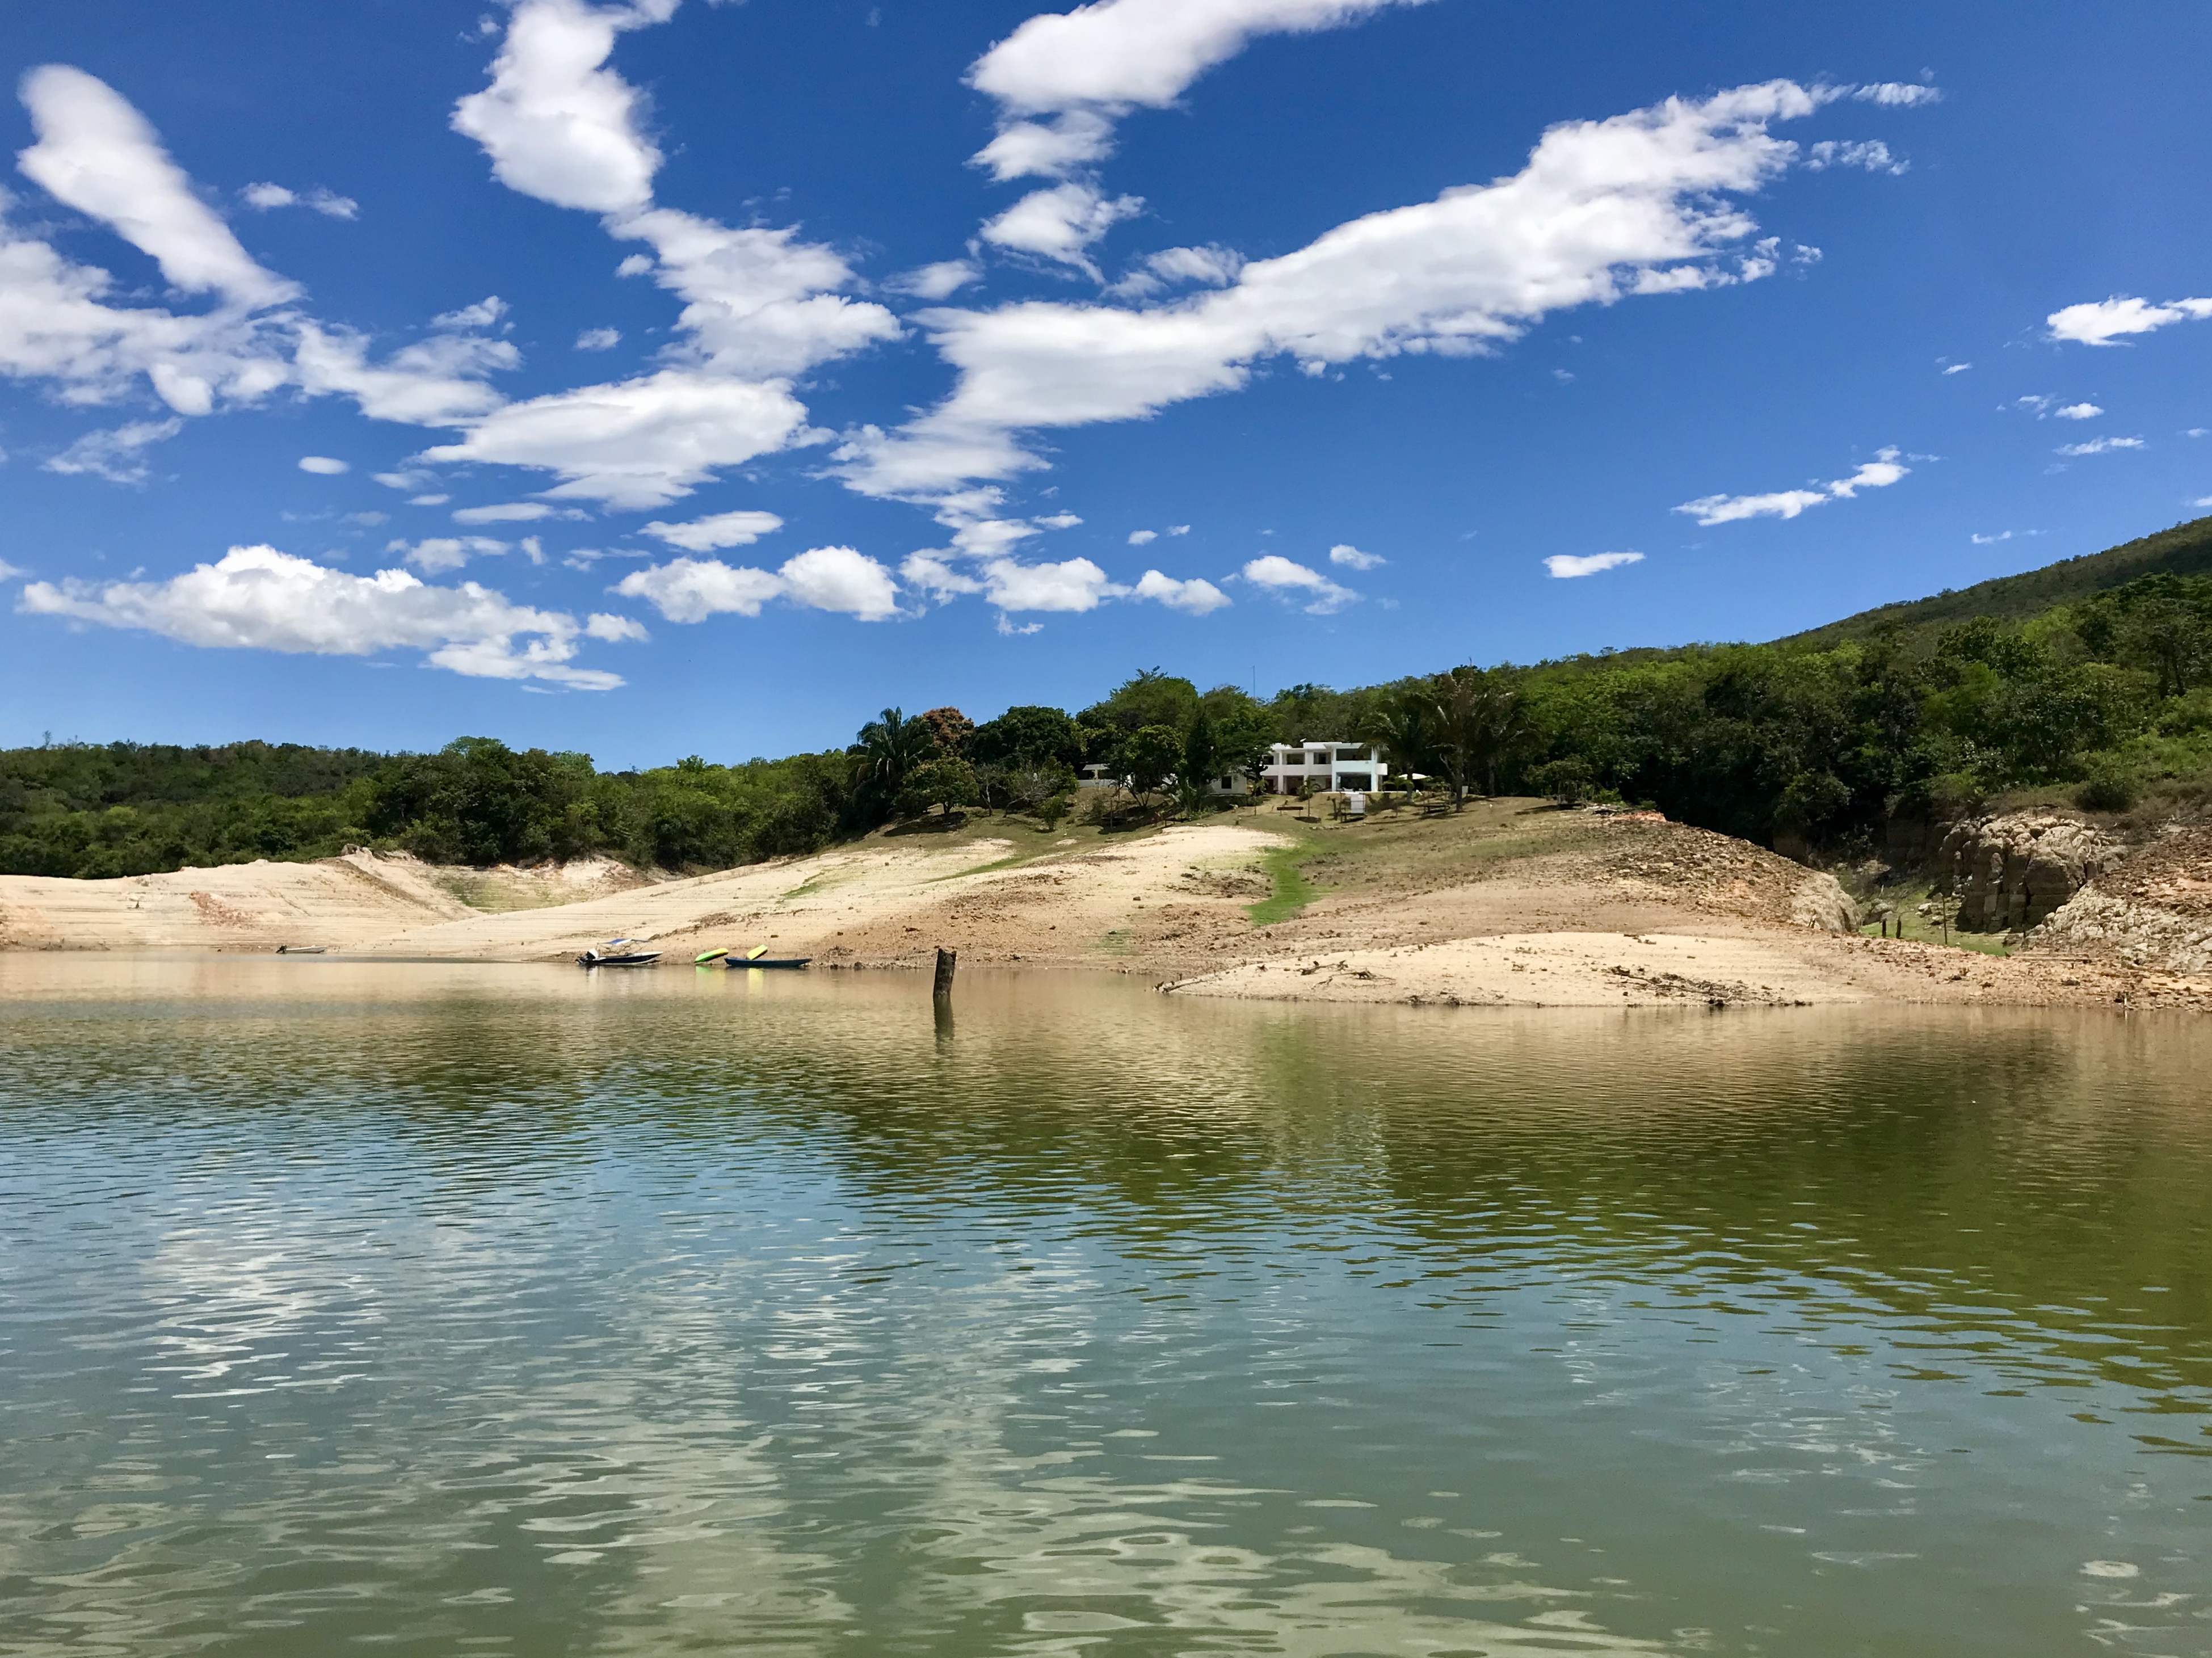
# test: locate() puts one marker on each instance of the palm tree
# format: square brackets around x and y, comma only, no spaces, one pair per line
[1480,722]
[887,749]
[1399,728]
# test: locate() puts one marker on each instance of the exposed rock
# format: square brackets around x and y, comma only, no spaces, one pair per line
[2155,912]
[2011,872]
[1821,901]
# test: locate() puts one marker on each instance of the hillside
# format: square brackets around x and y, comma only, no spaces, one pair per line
[2185,550]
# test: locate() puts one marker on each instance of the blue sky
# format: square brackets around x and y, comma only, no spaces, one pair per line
[686,377]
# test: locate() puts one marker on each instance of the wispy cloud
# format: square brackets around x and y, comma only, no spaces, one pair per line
[1884,469]
[2100,445]
[1565,566]
[1290,580]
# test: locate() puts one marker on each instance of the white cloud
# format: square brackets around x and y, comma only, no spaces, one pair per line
[2105,322]
[598,339]
[99,155]
[556,125]
[513,512]
[1353,559]
[447,552]
[372,519]
[1879,473]
[1090,66]
[2078,411]
[1178,529]
[1061,223]
[937,282]
[1073,585]
[930,573]
[1143,537]
[118,455]
[1635,204]
[483,313]
[2099,446]
[842,579]
[639,443]
[1871,153]
[327,466]
[8,572]
[1897,94]
[263,198]
[758,302]
[691,590]
[428,501]
[1567,566]
[432,382]
[615,630]
[1958,368]
[1195,596]
[1281,576]
[2002,535]
[706,535]
[836,579]
[258,599]
[1209,267]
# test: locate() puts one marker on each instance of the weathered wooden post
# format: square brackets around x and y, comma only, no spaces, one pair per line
[946,959]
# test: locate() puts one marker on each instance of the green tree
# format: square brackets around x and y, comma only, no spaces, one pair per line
[1152,755]
[890,746]
[947,782]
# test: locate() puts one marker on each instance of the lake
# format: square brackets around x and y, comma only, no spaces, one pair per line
[434,1310]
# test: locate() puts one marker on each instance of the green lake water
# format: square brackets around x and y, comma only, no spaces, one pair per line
[442,1310]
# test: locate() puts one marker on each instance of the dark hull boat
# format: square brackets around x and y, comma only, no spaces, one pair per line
[736,962]
[633,958]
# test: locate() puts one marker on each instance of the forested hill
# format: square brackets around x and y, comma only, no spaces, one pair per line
[2185,550]
[2088,681]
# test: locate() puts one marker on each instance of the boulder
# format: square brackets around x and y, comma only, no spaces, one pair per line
[2012,871]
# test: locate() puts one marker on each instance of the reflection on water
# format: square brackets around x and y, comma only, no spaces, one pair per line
[515,1310]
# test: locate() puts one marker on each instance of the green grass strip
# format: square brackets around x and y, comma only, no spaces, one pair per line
[1293,892]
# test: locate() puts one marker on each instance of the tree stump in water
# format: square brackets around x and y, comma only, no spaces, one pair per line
[946,959]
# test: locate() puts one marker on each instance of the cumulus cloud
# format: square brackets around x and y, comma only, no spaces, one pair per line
[1635,204]
[1195,596]
[641,443]
[1291,580]
[1353,559]
[2100,445]
[1072,585]
[706,535]
[1879,473]
[119,456]
[1061,223]
[2077,411]
[99,155]
[433,382]
[556,124]
[258,599]
[1143,537]
[263,198]
[842,579]
[327,465]
[1566,566]
[598,339]
[1172,267]
[837,579]
[615,630]
[2106,322]
[1062,79]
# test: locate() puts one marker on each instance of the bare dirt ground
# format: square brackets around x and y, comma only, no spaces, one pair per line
[1508,903]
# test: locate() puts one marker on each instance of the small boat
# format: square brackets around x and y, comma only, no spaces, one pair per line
[612,956]
[706,955]
[301,949]
[736,962]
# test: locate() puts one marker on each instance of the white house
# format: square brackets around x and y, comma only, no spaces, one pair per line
[1332,766]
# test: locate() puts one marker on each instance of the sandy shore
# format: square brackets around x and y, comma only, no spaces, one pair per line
[1509,904]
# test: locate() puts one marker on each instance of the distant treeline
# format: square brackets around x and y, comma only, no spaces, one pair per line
[2109,698]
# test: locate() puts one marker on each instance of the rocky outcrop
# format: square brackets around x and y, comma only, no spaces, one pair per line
[2155,912]
[2010,872]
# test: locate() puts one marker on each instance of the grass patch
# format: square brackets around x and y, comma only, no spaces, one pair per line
[1293,891]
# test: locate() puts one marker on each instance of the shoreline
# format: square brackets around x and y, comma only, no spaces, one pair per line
[1509,904]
